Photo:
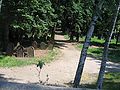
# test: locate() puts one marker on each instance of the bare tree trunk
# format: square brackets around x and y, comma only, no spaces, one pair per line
[84,52]
[105,52]
[98,5]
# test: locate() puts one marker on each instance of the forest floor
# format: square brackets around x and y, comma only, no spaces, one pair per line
[61,71]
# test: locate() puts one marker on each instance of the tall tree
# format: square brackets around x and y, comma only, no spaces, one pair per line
[98,6]
[33,17]
[106,47]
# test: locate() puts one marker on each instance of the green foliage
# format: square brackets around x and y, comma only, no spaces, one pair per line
[32,16]
[107,12]
[72,16]
[38,17]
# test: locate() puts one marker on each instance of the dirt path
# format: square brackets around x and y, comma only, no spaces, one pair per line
[60,72]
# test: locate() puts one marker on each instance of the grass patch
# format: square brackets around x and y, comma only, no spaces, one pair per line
[7,61]
[66,37]
[96,49]
[111,82]
[93,52]
[50,56]
[114,55]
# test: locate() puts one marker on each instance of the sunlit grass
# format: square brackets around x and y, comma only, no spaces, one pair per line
[93,51]
[96,49]
[8,61]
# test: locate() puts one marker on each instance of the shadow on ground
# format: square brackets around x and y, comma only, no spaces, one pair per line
[6,85]
[111,82]
[110,67]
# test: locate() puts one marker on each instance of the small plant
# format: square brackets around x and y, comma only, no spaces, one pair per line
[40,65]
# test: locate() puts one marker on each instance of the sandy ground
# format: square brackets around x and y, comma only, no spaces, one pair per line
[60,72]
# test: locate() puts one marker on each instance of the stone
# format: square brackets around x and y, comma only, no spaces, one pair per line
[30,51]
[20,51]
[43,45]
[50,46]
[35,44]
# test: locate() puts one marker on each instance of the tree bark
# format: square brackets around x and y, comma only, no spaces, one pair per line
[84,52]
[105,52]
[86,44]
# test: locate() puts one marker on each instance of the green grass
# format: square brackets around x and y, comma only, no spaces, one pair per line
[95,39]
[66,37]
[93,52]
[50,56]
[7,61]
[111,82]
[96,49]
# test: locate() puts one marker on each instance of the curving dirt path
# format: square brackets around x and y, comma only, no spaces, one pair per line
[60,72]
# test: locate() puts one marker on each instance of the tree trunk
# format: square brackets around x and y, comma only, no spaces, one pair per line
[86,44]
[84,52]
[105,52]
[6,36]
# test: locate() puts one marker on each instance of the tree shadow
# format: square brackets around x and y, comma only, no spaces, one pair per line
[59,33]
[5,84]
[110,66]
[111,82]
[96,44]
[83,86]
[113,67]
[19,86]
[100,44]
[60,45]
[56,85]
[113,56]
[3,79]
[106,85]
[67,41]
